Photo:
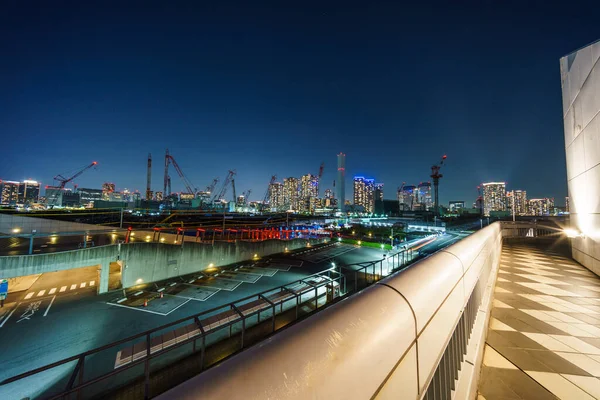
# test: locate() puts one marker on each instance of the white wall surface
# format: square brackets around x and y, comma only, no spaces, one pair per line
[580,76]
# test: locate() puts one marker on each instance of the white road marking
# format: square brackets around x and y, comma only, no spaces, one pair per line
[138,293]
[29,295]
[122,300]
[92,283]
[41,293]
[73,287]
[62,289]
[82,284]
[9,315]
[49,305]
[52,290]
[140,309]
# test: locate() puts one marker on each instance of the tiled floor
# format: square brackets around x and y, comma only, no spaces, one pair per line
[544,336]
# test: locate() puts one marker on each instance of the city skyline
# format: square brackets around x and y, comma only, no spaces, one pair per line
[178,185]
[230,95]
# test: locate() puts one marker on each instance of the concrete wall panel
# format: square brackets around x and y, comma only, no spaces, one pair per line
[362,339]
[581,90]
[403,379]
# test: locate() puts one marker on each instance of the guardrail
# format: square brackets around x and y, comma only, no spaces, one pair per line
[194,343]
[407,333]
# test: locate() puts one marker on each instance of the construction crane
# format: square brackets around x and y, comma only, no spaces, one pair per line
[435,175]
[169,159]
[247,196]
[210,188]
[221,195]
[63,181]
[271,182]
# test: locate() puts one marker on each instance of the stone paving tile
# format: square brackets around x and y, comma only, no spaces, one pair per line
[544,335]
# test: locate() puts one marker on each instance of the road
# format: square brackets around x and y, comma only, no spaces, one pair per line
[61,315]
[441,242]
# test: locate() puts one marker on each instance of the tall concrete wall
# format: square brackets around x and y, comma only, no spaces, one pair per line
[150,262]
[580,75]
[146,262]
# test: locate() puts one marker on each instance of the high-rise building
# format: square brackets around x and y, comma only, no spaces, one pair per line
[87,197]
[328,194]
[567,206]
[378,192]
[29,192]
[290,193]
[520,202]
[341,181]
[541,207]
[107,189]
[54,195]
[424,193]
[126,195]
[580,81]
[456,206]
[364,192]
[407,197]
[276,196]
[494,197]
[9,193]
[378,199]
[309,188]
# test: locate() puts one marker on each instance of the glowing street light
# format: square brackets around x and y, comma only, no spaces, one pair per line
[572,233]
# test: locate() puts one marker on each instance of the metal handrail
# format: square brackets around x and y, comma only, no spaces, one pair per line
[80,358]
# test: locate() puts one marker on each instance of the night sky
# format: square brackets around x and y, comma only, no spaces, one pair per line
[277,88]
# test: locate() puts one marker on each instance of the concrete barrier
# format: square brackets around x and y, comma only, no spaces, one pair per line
[146,262]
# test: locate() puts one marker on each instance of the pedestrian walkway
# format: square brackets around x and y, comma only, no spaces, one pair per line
[544,333]
[60,289]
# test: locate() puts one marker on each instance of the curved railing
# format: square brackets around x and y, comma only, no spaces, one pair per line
[407,334]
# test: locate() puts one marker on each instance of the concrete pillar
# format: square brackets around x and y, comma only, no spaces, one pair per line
[104,273]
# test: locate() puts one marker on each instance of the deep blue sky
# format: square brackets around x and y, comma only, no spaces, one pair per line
[276,88]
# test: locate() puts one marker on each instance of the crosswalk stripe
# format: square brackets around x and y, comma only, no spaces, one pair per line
[29,295]
[73,286]
[41,293]
[62,289]
[92,283]
[82,284]
[52,290]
